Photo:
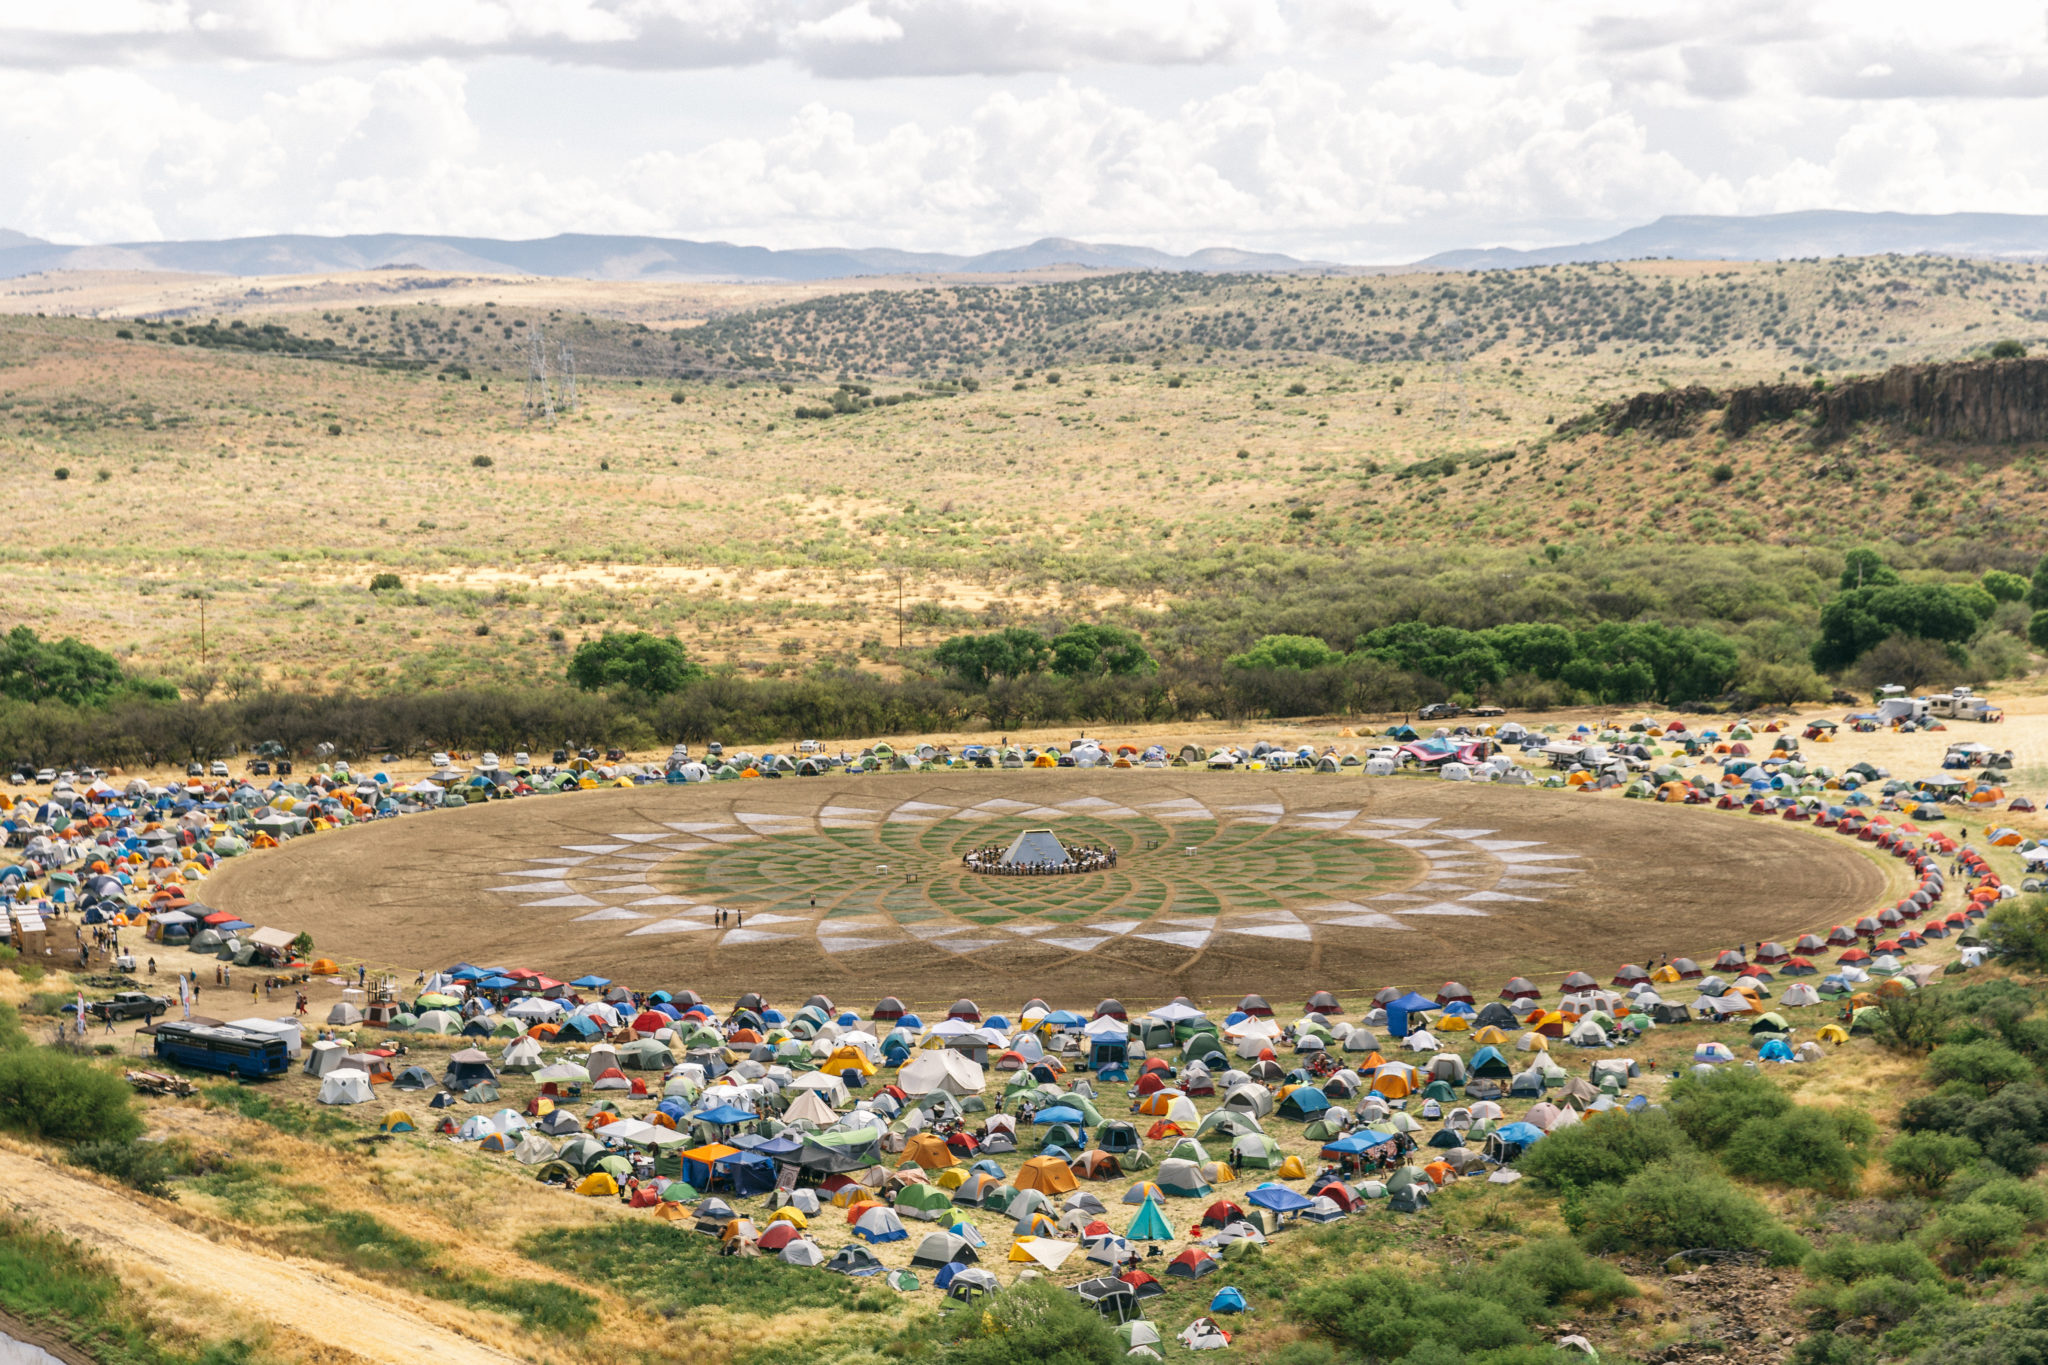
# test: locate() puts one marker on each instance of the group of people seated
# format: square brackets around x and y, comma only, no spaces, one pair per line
[989,862]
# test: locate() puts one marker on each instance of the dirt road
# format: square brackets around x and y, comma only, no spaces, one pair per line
[342,1317]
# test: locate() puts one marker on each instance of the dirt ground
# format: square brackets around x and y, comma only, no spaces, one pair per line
[1652,881]
[320,1312]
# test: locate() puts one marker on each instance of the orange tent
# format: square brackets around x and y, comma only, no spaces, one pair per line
[1047,1174]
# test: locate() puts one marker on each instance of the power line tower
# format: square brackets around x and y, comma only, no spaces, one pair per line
[1452,399]
[565,372]
[540,402]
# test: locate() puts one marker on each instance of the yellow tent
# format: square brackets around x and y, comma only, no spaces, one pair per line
[1291,1169]
[790,1215]
[397,1121]
[1666,975]
[950,1179]
[1833,1033]
[598,1183]
[1047,1174]
[1489,1036]
[848,1058]
[1451,1023]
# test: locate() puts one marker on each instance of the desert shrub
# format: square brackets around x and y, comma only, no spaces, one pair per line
[1682,1206]
[1967,1233]
[1033,1324]
[1709,1109]
[1882,1300]
[149,1167]
[1846,1262]
[47,1094]
[1927,1161]
[2017,930]
[1604,1153]
[1983,1065]
[12,1034]
[2025,1200]
[2007,1127]
[1542,1275]
[1385,1315]
[1807,1146]
[386,582]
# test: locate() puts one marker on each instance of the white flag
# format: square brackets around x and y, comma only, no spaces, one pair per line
[81,1014]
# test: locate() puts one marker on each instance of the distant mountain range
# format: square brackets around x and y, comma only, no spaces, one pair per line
[1783,236]
[1777,236]
[584,256]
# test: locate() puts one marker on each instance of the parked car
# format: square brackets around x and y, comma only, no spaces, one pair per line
[220,768]
[260,767]
[522,759]
[195,770]
[439,759]
[128,1005]
[1439,710]
[47,777]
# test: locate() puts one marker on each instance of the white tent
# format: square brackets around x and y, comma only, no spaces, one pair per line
[829,1088]
[1046,1251]
[325,1057]
[942,1069]
[346,1086]
[521,1054]
[808,1107]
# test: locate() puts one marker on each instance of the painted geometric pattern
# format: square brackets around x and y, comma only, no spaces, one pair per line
[878,874]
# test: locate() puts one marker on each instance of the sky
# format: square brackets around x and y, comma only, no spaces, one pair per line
[1349,130]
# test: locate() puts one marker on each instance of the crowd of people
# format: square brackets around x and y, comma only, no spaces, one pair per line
[989,861]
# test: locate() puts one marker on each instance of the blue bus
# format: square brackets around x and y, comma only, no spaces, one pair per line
[209,1047]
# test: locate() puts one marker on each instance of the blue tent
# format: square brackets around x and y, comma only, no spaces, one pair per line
[591,983]
[1228,1300]
[1520,1133]
[1278,1198]
[1775,1050]
[724,1116]
[1303,1102]
[1060,1113]
[745,1172]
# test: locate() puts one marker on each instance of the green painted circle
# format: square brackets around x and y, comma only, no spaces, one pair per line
[912,873]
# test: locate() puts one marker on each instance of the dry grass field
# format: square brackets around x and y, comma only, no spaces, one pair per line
[1132,443]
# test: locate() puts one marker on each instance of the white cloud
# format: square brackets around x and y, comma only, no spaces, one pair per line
[1360,131]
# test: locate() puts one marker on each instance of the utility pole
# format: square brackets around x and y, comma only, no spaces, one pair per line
[899,609]
[539,402]
[566,377]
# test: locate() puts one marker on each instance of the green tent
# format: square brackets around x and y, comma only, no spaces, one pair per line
[1150,1225]
[923,1201]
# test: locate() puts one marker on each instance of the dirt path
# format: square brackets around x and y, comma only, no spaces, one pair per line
[347,1318]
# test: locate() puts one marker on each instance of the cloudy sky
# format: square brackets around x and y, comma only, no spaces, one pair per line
[1357,130]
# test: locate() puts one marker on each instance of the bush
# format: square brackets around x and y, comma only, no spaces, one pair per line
[1722,473]
[1033,1324]
[334,428]
[386,582]
[1967,1233]
[63,472]
[1605,1153]
[1927,1161]
[12,1034]
[2023,1199]
[481,461]
[2006,1126]
[146,1166]
[1385,1315]
[2006,587]
[2017,930]
[1682,1206]
[1847,1262]
[1709,1109]
[1810,1147]
[1983,1065]
[46,1094]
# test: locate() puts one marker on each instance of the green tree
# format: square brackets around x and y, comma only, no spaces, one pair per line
[1287,651]
[1009,653]
[2037,630]
[1856,621]
[2037,595]
[1605,1153]
[1086,651]
[66,670]
[632,661]
[2005,587]
[1969,1232]
[1866,569]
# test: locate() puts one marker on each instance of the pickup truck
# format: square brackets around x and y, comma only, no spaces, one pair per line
[128,1005]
